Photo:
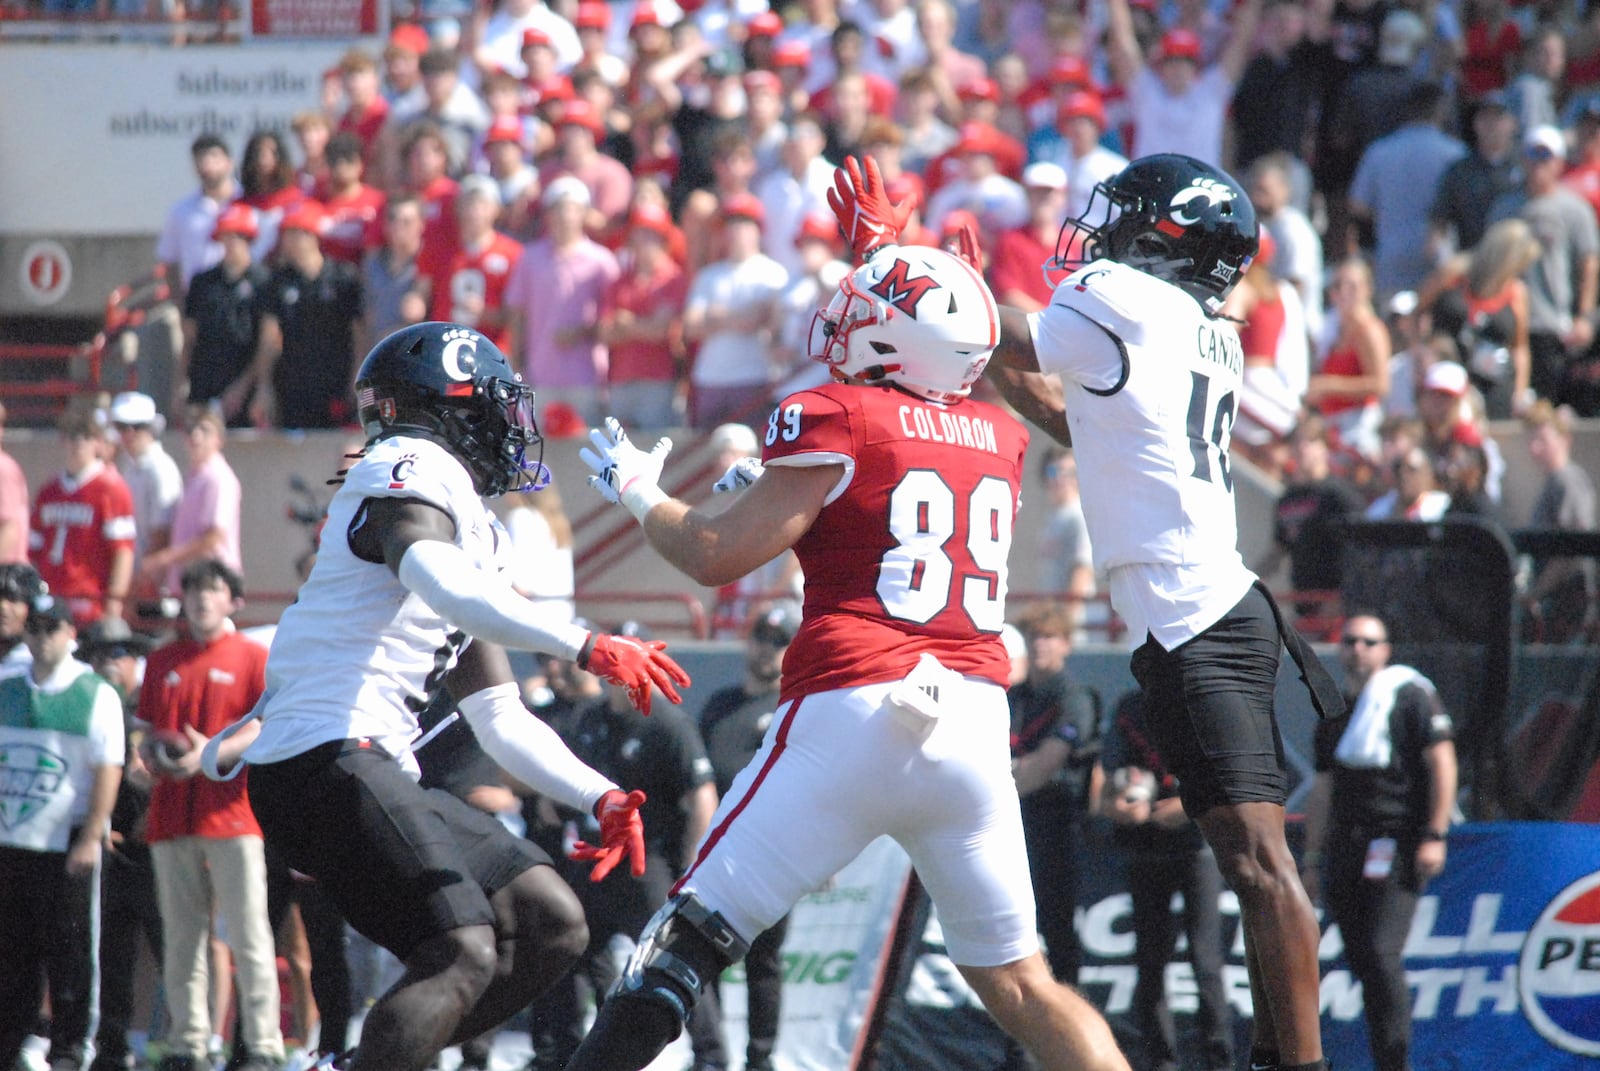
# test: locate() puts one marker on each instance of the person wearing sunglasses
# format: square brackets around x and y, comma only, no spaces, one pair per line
[1376,822]
[61,751]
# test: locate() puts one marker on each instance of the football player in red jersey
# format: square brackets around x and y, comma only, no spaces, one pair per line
[898,493]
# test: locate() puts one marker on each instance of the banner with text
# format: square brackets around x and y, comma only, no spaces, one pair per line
[1503,959]
[101,146]
[833,963]
[313,18]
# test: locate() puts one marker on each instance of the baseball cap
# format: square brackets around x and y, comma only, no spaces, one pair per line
[766,24]
[1401,34]
[778,624]
[735,436]
[592,16]
[1179,44]
[645,14]
[1071,71]
[1446,377]
[651,218]
[134,409]
[238,219]
[409,37]
[535,36]
[818,227]
[745,206]
[1545,142]
[980,89]
[907,184]
[581,113]
[504,128]
[1044,175]
[975,138]
[480,186]
[566,188]
[1082,104]
[46,612]
[306,216]
[759,81]
[791,54]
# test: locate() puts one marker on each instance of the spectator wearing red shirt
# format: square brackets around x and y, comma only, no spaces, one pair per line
[353,210]
[204,840]
[82,536]
[312,130]
[1016,273]
[640,320]
[365,109]
[426,161]
[267,184]
[475,283]
[1492,42]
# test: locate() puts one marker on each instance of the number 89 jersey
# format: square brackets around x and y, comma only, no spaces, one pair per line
[909,554]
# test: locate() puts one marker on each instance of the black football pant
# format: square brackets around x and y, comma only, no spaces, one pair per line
[49,920]
[129,912]
[1374,917]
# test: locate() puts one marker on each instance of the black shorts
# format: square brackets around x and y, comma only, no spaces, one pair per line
[402,862]
[1209,707]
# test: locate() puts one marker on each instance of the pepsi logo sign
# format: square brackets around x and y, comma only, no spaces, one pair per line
[1558,978]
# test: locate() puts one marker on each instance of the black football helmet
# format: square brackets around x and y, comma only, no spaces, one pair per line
[450,384]
[1169,215]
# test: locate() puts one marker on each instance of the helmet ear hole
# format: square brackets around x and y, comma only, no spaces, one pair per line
[883,347]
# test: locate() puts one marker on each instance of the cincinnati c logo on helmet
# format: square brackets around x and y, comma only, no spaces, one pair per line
[459,357]
[1199,195]
[899,289]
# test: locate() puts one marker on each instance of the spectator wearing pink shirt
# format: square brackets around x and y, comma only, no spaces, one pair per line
[14,501]
[205,523]
[552,303]
[579,131]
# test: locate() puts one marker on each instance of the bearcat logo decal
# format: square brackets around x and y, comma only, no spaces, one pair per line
[1183,211]
[900,290]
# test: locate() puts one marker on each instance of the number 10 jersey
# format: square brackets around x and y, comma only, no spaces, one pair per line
[909,555]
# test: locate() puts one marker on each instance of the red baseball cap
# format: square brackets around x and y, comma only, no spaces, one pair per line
[555,90]
[409,37]
[582,113]
[1082,105]
[645,14]
[958,219]
[535,36]
[237,219]
[980,89]
[305,216]
[976,138]
[907,184]
[648,217]
[745,206]
[504,128]
[592,16]
[758,80]
[766,24]
[817,226]
[1071,70]
[1179,44]
[791,54]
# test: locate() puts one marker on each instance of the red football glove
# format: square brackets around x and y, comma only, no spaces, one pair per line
[964,244]
[635,665]
[861,204]
[621,834]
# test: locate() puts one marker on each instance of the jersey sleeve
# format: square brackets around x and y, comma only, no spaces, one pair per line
[1080,335]
[412,468]
[811,428]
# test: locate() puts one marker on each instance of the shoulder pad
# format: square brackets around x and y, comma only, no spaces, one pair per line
[1121,299]
[405,467]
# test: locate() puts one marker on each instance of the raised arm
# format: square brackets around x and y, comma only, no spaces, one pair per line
[1014,370]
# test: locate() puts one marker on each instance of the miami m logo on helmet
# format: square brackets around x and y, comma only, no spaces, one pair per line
[899,289]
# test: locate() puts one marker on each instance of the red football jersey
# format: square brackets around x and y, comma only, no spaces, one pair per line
[75,533]
[441,237]
[482,272]
[910,558]
[354,223]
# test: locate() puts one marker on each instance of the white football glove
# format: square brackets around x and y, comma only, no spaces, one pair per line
[740,474]
[624,473]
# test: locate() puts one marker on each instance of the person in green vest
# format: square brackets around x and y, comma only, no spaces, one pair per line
[61,754]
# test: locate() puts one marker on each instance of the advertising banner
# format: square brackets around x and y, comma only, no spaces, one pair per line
[833,960]
[313,18]
[1503,959]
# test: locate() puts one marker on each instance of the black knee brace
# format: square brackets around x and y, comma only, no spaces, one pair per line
[683,947]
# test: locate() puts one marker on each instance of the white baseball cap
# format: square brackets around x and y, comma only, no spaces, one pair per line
[1044,175]
[566,188]
[136,410]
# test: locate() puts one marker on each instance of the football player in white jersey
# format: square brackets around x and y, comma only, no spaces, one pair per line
[405,597]
[897,492]
[1132,365]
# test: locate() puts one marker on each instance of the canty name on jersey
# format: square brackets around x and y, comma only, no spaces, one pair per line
[1220,347]
[938,426]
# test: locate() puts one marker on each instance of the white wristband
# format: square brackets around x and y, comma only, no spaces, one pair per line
[642,496]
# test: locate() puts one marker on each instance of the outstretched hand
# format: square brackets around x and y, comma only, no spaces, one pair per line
[860,201]
[623,472]
[964,244]
[621,834]
[740,474]
[637,665]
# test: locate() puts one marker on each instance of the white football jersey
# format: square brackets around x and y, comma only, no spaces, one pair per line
[358,654]
[1152,387]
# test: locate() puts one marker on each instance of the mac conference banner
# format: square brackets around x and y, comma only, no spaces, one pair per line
[1503,960]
